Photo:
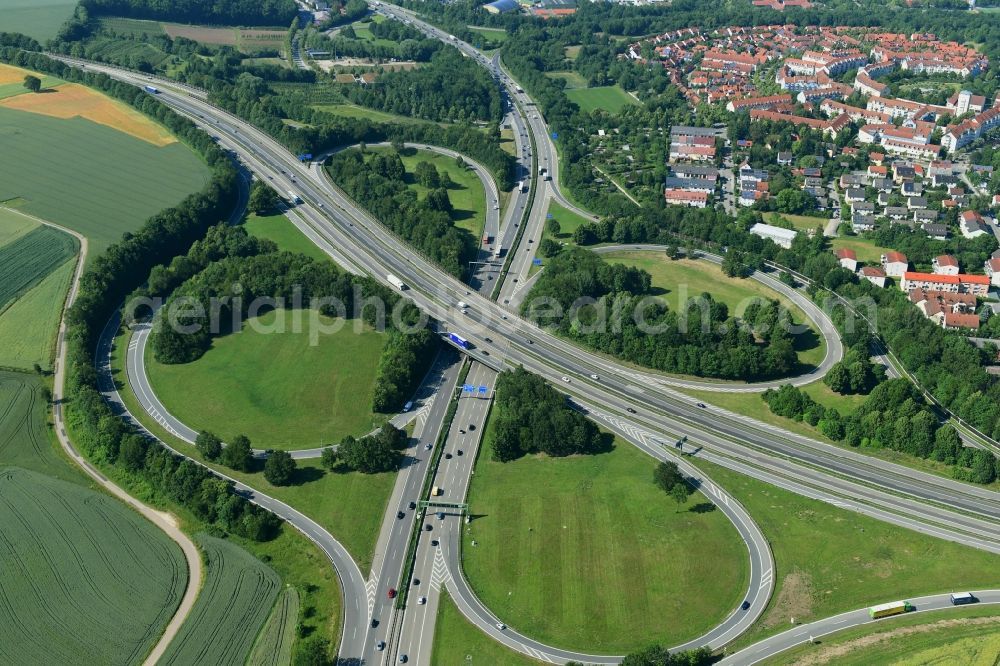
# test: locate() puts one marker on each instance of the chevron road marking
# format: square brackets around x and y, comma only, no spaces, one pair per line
[370,588]
[440,576]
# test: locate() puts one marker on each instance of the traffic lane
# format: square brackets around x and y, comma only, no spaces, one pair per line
[820,628]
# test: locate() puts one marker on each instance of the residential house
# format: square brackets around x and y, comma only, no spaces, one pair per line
[779,235]
[848,259]
[679,197]
[914,203]
[945,264]
[895,264]
[958,320]
[977,285]
[993,271]
[972,224]
[936,231]
[874,275]
[862,223]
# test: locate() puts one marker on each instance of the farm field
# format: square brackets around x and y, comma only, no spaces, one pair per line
[247,40]
[605,98]
[587,553]
[457,641]
[280,229]
[274,644]
[830,560]
[125,180]
[12,80]
[235,601]
[687,278]
[132,27]
[958,636]
[94,582]
[349,505]
[28,326]
[275,386]
[38,19]
[27,260]
[72,100]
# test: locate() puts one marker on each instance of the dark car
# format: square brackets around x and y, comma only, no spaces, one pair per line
[413,505]
[745,605]
[630,410]
[702,405]
[392,593]
[374,622]
[400,515]
[447,456]
[458,451]
[472,426]
[428,527]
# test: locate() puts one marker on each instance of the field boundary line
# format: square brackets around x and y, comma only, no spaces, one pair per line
[160,519]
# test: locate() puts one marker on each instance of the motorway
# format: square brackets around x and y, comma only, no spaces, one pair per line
[897,494]
[812,632]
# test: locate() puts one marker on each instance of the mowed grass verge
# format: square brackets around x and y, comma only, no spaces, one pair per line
[604,98]
[457,641]
[86,579]
[233,604]
[830,560]
[959,636]
[348,505]
[278,228]
[89,177]
[283,389]
[587,553]
[689,278]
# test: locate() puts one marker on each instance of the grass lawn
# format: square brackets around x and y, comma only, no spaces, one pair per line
[492,34]
[278,387]
[38,19]
[572,52]
[355,111]
[467,196]
[350,506]
[364,32]
[95,582]
[829,560]
[959,636]
[507,142]
[587,553]
[457,641]
[867,251]
[28,327]
[103,183]
[801,222]
[14,225]
[606,98]
[686,278]
[568,222]
[280,229]
[573,80]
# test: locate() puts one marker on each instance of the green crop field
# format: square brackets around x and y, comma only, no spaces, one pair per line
[234,603]
[38,19]
[86,579]
[829,560]
[131,27]
[801,222]
[280,229]
[89,177]
[276,386]
[968,636]
[457,641]
[606,98]
[274,644]
[587,553]
[13,225]
[28,326]
[686,278]
[26,261]
[467,196]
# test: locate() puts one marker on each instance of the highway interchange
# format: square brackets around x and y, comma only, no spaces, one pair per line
[890,492]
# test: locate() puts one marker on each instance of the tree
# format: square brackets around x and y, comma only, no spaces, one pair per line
[313,652]
[263,199]
[133,452]
[37,368]
[427,175]
[548,247]
[553,227]
[369,455]
[329,458]
[734,264]
[279,468]
[667,476]
[438,199]
[208,444]
[33,83]
[679,493]
[838,378]
[238,454]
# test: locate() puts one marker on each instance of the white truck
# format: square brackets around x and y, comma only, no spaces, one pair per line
[396,282]
[293,197]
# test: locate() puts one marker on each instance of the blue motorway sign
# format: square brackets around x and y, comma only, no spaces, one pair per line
[548,216]
[482,390]
[468,388]
[555,135]
[536,262]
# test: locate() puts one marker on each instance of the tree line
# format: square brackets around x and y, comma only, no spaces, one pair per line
[376,181]
[701,338]
[530,416]
[218,12]
[108,279]
[371,454]
[228,256]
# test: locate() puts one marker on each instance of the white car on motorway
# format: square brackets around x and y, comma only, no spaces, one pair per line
[565,379]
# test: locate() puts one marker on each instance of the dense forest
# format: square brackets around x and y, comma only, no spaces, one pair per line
[218,12]
[608,307]
[376,181]
[530,416]
[449,88]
